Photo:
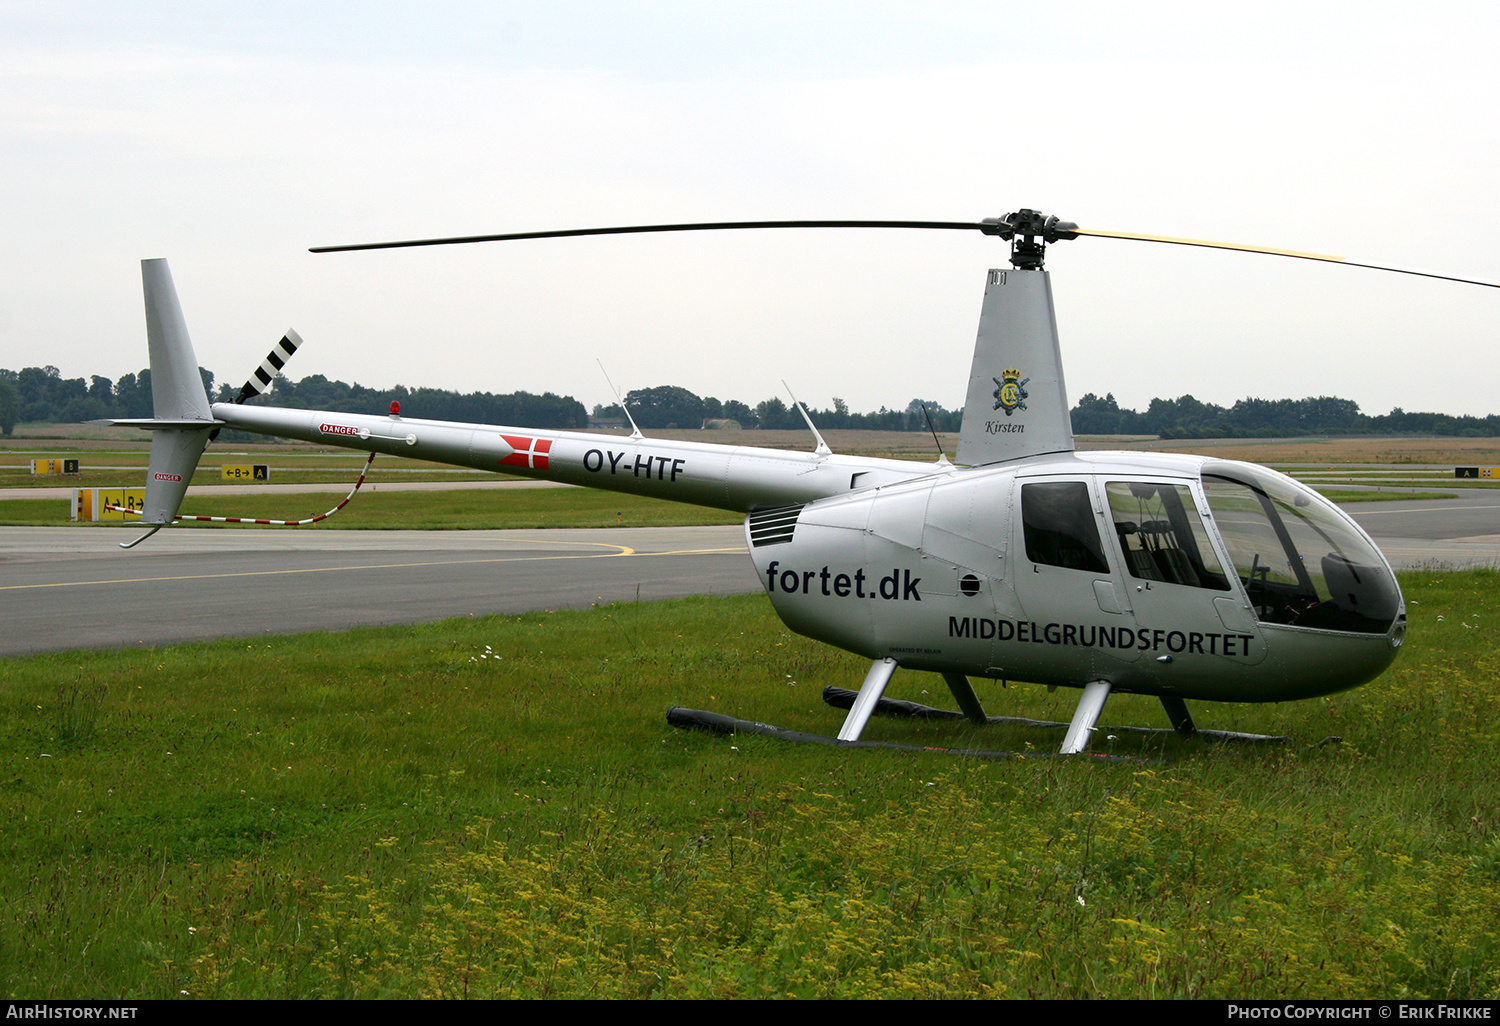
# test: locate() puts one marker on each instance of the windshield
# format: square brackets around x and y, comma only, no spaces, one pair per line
[1302,562]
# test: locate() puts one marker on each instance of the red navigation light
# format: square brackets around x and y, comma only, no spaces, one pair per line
[395,408]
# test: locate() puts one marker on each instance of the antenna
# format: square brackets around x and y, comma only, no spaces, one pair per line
[822,449]
[635,432]
[942,459]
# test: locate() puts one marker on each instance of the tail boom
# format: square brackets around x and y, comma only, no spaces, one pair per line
[738,478]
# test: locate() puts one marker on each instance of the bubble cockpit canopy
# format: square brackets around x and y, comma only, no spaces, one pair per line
[1302,562]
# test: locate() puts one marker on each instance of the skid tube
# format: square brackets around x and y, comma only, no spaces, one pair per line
[843,698]
[717,723]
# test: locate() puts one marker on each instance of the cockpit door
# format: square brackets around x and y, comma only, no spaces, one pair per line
[1184,603]
[1071,596]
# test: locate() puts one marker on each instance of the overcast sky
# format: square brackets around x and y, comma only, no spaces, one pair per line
[230,137]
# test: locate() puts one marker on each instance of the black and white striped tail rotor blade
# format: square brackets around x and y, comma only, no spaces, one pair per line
[260,382]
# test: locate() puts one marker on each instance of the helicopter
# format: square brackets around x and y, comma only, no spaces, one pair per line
[1185,577]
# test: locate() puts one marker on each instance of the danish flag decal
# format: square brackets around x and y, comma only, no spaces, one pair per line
[530,452]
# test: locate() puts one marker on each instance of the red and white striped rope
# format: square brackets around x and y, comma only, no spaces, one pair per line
[271,523]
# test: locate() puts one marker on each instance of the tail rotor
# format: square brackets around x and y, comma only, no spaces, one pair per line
[259,383]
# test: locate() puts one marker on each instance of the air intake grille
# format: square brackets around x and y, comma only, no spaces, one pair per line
[773,526]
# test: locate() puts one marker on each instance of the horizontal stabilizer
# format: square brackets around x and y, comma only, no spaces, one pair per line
[157,423]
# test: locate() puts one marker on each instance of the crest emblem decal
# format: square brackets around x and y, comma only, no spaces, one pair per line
[1010,393]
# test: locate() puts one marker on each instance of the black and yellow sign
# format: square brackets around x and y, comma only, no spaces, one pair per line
[1476,472]
[54,466]
[246,472]
[89,503]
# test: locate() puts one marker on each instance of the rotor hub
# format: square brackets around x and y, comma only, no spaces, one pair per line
[1028,232]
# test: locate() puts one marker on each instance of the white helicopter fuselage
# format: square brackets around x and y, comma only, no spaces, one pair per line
[959,573]
[1177,576]
[930,565]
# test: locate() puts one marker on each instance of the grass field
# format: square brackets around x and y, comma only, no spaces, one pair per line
[1346,495]
[496,807]
[135,476]
[524,508]
[115,463]
[102,467]
[1399,450]
[520,508]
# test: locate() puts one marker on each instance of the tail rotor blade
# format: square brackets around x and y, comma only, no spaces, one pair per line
[260,382]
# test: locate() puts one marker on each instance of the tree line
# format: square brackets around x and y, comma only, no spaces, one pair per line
[42,394]
[1187,417]
[670,406]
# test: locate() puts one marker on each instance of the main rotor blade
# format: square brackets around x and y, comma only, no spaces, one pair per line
[1025,223]
[705,226]
[1296,254]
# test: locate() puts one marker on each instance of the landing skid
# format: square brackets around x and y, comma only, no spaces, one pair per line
[869,701]
[843,698]
[717,723]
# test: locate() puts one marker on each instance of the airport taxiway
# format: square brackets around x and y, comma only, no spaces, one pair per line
[66,588]
[73,587]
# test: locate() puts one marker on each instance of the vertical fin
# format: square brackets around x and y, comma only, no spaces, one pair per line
[176,387]
[177,396]
[174,457]
[1017,404]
